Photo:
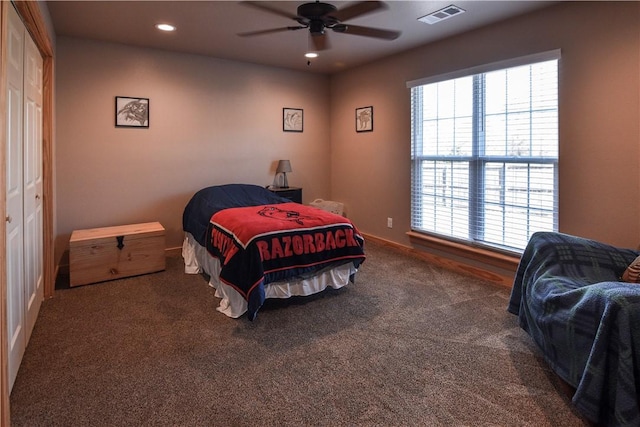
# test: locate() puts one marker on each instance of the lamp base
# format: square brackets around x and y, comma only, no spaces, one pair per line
[285,184]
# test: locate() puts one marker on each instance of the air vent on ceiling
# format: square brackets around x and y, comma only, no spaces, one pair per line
[442,14]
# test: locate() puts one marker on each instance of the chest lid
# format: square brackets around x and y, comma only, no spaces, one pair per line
[107,234]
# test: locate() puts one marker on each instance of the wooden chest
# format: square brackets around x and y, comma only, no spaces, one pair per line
[108,253]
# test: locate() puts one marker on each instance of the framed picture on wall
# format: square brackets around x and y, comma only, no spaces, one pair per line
[292,119]
[132,112]
[364,119]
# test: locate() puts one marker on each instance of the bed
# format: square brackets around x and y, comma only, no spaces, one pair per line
[255,245]
[569,297]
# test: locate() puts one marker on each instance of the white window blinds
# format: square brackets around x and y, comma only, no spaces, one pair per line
[485,153]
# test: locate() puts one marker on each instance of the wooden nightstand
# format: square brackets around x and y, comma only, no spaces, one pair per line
[292,193]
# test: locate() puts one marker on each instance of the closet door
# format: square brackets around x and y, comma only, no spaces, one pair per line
[14,215]
[24,189]
[32,183]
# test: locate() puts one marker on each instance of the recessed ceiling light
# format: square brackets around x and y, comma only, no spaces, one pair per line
[311,55]
[165,27]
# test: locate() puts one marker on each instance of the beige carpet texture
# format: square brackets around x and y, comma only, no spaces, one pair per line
[407,344]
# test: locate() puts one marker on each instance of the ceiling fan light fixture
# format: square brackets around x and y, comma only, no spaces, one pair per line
[311,55]
[316,27]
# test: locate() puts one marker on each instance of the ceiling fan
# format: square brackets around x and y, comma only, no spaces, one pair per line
[319,16]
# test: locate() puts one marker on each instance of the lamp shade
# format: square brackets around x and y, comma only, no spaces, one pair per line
[284,166]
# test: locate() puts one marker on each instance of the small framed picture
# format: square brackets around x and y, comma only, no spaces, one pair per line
[292,119]
[364,119]
[132,112]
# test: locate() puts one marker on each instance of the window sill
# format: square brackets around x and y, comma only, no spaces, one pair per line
[477,261]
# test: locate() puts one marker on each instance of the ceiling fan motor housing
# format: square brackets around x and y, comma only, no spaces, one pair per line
[316,16]
[315,10]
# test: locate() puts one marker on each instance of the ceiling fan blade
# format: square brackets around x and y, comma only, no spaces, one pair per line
[320,42]
[269,31]
[357,9]
[378,33]
[262,6]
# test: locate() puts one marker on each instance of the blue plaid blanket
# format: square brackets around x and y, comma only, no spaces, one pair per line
[568,297]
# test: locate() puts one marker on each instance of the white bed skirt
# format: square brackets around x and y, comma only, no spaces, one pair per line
[198,260]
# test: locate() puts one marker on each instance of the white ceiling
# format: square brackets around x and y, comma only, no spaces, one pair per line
[211,28]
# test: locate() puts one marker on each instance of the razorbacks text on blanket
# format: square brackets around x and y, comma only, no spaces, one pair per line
[257,245]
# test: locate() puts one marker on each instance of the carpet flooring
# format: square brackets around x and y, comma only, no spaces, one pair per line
[408,344]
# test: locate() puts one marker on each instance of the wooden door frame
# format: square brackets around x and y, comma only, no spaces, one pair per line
[30,13]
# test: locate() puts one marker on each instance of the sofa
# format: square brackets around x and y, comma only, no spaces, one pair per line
[570,297]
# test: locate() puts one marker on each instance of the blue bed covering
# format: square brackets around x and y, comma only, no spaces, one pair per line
[258,245]
[281,251]
[210,200]
[568,296]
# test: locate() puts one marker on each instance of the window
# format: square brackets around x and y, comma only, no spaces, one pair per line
[484,151]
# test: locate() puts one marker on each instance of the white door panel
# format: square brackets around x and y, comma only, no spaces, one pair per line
[14,214]
[32,183]
[24,233]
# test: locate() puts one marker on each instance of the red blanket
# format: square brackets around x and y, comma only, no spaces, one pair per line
[261,244]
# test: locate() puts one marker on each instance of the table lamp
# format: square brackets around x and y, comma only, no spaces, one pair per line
[284,166]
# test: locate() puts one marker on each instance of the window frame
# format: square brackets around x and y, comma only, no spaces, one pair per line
[476,160]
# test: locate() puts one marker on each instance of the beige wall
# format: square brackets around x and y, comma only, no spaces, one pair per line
[599,116]
[215,121]
[212,122]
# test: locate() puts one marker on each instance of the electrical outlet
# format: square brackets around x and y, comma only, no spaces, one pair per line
[390,222]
